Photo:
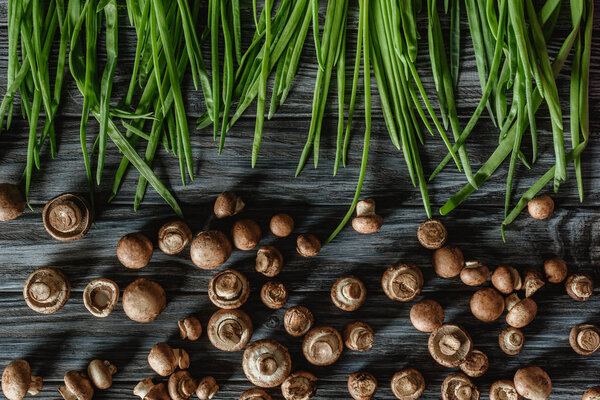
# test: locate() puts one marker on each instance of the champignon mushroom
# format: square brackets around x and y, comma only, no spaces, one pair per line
[366,221]
[281,225]
[520,312]
[246,234]
[100,373]
[541,207]
[362,385]
[46,290]
[432,234]
[506,279]
[555,270]
[190,328]
[207,388]
[181,385]
[358,336]
[144,300]
[503,390]
[76,386]
[585,339]
[532,282]
[533,383]
[17,381]
[427,315]
[67,217]
[476,364]
[592,393]
[210,249]
[255,394]
[228,204]
[229,330]
[300,385]
[511,340]
[580,287]
[228,289]
[408,384]
[308,245]
[12,204]
[487,304]
[266,363]
[269,261]
[173,237]
[147,390]
[448,261]
[474,273]
[348,293]
[164,360]
[322,346]
[449,345]
[134,250]
[274,295]
[402,282]
[298,320]
[458,386]
[100,297]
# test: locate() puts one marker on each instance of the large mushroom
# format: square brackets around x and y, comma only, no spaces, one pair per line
[358,336]
[487,304]
[308,245]
[580,287]
[228,289]
[348,293]
[300,385]
[449,345]
[402,282]
[476,364]
[100,373]
[245,234]
[281,225]
[227,204]
[164,360]
[362,385]
[17,381]
[269,261]
[585,339]
[134,250]
[67,217]
[458,386]
[266,363]
[533,383]
[520,312]
[503,390]
[229,330]
[506,279]
[408,384]
[274,295]
[46,290]
[76,387]
[100,297]
[173,237]
[298,320]
[207,388]
[448,261]
[144,300]
[432,234]
[511,340]
[427,315]
[322,346]
[181,385]
[12,204]
[210,249]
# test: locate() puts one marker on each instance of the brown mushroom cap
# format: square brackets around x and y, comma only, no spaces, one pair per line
[448,261]
[555,270]
[522,313]
[210,249]
[474,273]
[274,295]
[255,394]
[228,204]
[300,385]
[245,234]
[580,287]
[229,330]
[427,315]
[506,279]
[503,390]
[147,390]
[100,373]
[366,221]
[190,328]
[144,300]
[308,245]
[322,345]
[266,363]
[511,340]
[402,282]
[46,290]
[458,386]
[298,320]
[541,207]
[585,339]
[173,237]
[449,345]
[76,386]
[101,296]
[207,388]
[12,204]
[592,393]
[181,385]
[67,217]
[487,304]
[532,282]
[432,234]
[362,385]
[17,380]
[358,336]
[228,289]
[134,250]
[348,293]
[408,384]
[281,225]
[164,359]
[533,383]
[269,261]
[476,364]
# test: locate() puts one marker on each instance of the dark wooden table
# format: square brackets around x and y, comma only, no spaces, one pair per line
[72,337]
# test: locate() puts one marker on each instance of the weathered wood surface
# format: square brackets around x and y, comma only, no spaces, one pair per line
[70,338]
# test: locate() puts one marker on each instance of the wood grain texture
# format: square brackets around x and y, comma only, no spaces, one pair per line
[71,338]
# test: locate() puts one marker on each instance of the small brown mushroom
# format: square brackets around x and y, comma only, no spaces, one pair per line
[76,386]
[541,207]
[101,296]
[164,360]
[17,381]
[449,345]
[474,273]
[12,204]
[366,221]
[427,315]
[402,282]
[555,270]
[228,289]
[210,249]
[511,340]
[348,293]
[147,390]
[476,364]
[190,328]
[144,300]
[229,330]
[255,394]
[300,385]
[228,204]
[245,234]
[269,261]
[533,383]
[458,386]
[520,312]
[322,346]
[308,245]
[134,250]
[207,388]
[67,217]
[487,304]
[173,237]
[358,336]
[592,393]
[181,385]
[532,282]
[448,261]
[585,339]
[506,279]
[503,390]
[432,234]
[408,384]
[100,373]
[298,320]
[580,287]
[46,290]
[362,385]
[274,295]
[266,363]
[281,225]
